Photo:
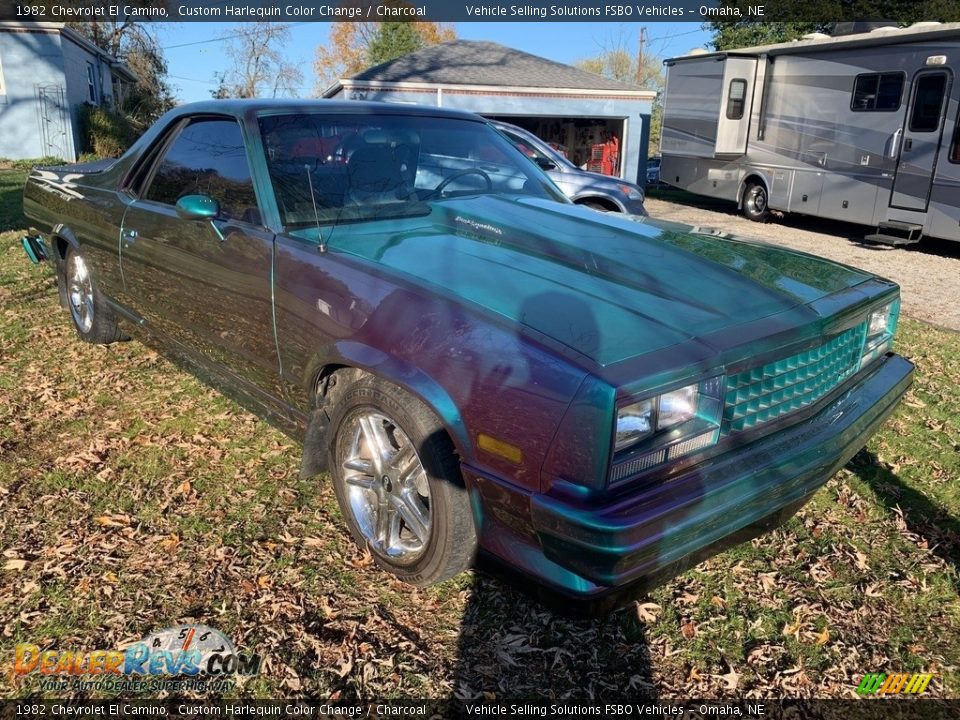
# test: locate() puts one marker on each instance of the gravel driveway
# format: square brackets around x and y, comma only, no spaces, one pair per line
[928,273]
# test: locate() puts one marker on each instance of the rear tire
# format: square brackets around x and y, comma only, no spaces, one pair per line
[397,479]
[92,318]
[755,201]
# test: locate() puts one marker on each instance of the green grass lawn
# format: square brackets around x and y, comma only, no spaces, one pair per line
[11,199]
[133,498]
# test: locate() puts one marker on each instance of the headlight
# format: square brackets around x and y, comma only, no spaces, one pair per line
[634,423]
[677,407]
[631,191]
[666,426]
[881,327]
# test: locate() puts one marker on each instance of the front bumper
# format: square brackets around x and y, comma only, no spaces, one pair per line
[638,541]
[633,207]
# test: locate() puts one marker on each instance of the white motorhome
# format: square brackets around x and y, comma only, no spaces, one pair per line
[861,128]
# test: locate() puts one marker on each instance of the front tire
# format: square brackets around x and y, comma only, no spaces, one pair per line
[755,203]
[92,317]
[397,480]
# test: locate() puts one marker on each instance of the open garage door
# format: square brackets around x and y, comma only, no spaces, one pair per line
[577,138]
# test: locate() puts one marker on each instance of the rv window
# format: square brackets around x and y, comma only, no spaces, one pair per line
[877,91]
[736,99]
[927,103]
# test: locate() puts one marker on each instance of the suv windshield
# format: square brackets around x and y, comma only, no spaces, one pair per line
[340,168]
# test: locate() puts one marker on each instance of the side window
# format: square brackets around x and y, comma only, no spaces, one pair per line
[207,158]
[928,103]
[877,91]
[736,98]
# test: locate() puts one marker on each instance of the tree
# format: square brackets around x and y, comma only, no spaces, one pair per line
[619,61]
[349,48]
[393,40]
[135,45]
[748,33]
[258,69]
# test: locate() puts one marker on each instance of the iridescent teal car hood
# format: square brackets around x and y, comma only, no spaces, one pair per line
[607,286]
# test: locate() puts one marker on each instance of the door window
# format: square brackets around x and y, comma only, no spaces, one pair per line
[928,103]
[208,158]
[736,98]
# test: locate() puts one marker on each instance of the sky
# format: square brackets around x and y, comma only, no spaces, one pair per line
[194,52]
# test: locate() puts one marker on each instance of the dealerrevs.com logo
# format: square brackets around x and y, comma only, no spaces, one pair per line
[895,684]
[183,657]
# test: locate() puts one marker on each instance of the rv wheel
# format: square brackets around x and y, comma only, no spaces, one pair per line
[755,203]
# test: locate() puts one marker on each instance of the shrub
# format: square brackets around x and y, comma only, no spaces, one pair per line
[30,163]
[106,133]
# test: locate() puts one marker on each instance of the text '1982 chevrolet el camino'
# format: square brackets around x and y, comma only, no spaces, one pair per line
[598,401]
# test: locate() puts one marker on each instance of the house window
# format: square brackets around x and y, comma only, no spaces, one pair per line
[736,99]
[877,91]
[91,84]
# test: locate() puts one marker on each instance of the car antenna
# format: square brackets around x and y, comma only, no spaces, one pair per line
[316,215]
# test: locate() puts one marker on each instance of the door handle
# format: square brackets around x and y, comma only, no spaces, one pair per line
[129,235]
[907,144]
[894,141]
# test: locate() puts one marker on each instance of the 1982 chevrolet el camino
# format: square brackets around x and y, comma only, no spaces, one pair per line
[599,401]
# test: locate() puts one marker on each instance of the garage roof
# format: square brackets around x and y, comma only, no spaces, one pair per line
[475,62]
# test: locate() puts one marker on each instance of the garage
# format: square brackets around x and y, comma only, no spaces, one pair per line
[603,125]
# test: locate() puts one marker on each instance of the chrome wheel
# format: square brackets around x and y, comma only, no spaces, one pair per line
[755,202]
[80,292]
[386,486]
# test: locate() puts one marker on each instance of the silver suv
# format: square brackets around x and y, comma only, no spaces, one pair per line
[600,192]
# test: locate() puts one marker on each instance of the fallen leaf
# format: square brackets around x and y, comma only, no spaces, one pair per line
[732,679]
[15,564]
[688,628]
[647,611]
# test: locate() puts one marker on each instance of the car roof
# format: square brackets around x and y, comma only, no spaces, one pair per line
[266,106]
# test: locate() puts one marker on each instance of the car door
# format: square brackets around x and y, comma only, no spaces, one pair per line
[203,284]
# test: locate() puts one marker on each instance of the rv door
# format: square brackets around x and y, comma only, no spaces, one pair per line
[920,143]
[739,74]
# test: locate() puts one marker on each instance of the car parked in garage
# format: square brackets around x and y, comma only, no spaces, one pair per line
[600,192]
[474,362]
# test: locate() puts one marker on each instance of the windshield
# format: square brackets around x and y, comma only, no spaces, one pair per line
[341,168]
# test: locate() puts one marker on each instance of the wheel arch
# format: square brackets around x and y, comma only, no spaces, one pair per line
[364,358]
[608,203]
[61,239]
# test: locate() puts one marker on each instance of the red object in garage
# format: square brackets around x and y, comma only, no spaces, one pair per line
[605,157]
